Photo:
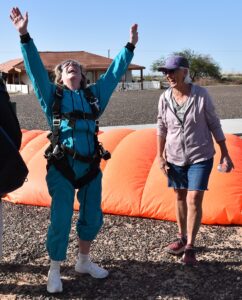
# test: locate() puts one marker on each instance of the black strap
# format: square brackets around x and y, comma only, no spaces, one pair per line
[93,101]
[56,111]
[87,178]
[65,169]
[78,114]
[77,156]
[56,108]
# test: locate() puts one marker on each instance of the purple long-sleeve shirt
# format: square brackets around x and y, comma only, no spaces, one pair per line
[190,141]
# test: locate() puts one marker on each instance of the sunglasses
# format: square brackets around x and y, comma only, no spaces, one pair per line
[68,63]
[172,71]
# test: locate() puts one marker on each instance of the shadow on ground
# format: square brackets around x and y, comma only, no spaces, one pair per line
[130,280]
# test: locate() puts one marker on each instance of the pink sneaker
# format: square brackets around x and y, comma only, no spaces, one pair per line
[177,247]
[189,256]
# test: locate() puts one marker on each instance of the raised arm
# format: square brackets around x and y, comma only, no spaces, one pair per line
[108,81]
[33,64]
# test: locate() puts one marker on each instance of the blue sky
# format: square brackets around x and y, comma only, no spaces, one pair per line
[207,27]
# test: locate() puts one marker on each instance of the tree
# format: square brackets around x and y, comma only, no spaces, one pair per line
[200,65]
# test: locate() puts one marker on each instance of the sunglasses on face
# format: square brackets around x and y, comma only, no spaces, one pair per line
[68,63]
[168,72]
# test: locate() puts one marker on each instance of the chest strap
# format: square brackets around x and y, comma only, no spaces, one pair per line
[77,114]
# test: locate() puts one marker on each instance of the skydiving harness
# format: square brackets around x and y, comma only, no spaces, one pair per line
[57,153]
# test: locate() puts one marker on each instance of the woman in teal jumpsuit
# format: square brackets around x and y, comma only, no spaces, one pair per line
[80,138]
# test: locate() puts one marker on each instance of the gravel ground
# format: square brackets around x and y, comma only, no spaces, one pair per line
[131,248]
[132,107]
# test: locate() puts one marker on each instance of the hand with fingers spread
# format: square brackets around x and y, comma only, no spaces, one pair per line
[19,21]
[134,34]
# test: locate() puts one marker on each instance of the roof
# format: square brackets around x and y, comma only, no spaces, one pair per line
[10,65]
[88,60]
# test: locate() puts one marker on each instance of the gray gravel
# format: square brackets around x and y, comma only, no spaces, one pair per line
[131,248]
[132,107]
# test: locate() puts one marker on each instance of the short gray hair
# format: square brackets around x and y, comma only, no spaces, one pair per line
[188,78]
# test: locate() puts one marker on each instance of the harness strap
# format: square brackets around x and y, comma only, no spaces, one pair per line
[65,169]
[56,110]
[93,101]
[77,114]
[77,156]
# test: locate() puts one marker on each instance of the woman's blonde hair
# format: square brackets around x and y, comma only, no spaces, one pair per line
[58,73]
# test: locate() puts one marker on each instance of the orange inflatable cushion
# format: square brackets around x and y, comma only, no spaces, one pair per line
[133,184]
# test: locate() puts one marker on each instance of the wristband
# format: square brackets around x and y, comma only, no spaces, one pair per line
[25,38]
[130,47]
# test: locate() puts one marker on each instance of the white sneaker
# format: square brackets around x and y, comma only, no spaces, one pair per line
[54,284]
[91,268]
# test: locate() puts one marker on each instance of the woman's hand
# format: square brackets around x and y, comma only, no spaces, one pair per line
[134,34]
[226,163]
[20,22]
[163,166]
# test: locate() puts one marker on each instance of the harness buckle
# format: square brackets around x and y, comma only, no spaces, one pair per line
[58,153]
[47,155]
[95,104]
[105,154]
[59,92]
[56,122]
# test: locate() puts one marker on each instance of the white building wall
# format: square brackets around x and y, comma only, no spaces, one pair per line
[90,75]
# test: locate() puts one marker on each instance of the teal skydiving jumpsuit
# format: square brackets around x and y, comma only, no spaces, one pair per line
[81,139]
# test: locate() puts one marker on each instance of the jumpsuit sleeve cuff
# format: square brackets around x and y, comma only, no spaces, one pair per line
[25,38]
[130,47]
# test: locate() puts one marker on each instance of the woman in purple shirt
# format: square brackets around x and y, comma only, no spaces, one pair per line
[185,126]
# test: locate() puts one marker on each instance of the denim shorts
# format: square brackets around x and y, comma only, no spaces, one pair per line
[191,177]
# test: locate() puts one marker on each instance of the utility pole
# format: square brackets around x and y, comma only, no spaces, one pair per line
[108,53]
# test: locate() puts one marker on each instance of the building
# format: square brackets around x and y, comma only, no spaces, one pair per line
[95,65]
